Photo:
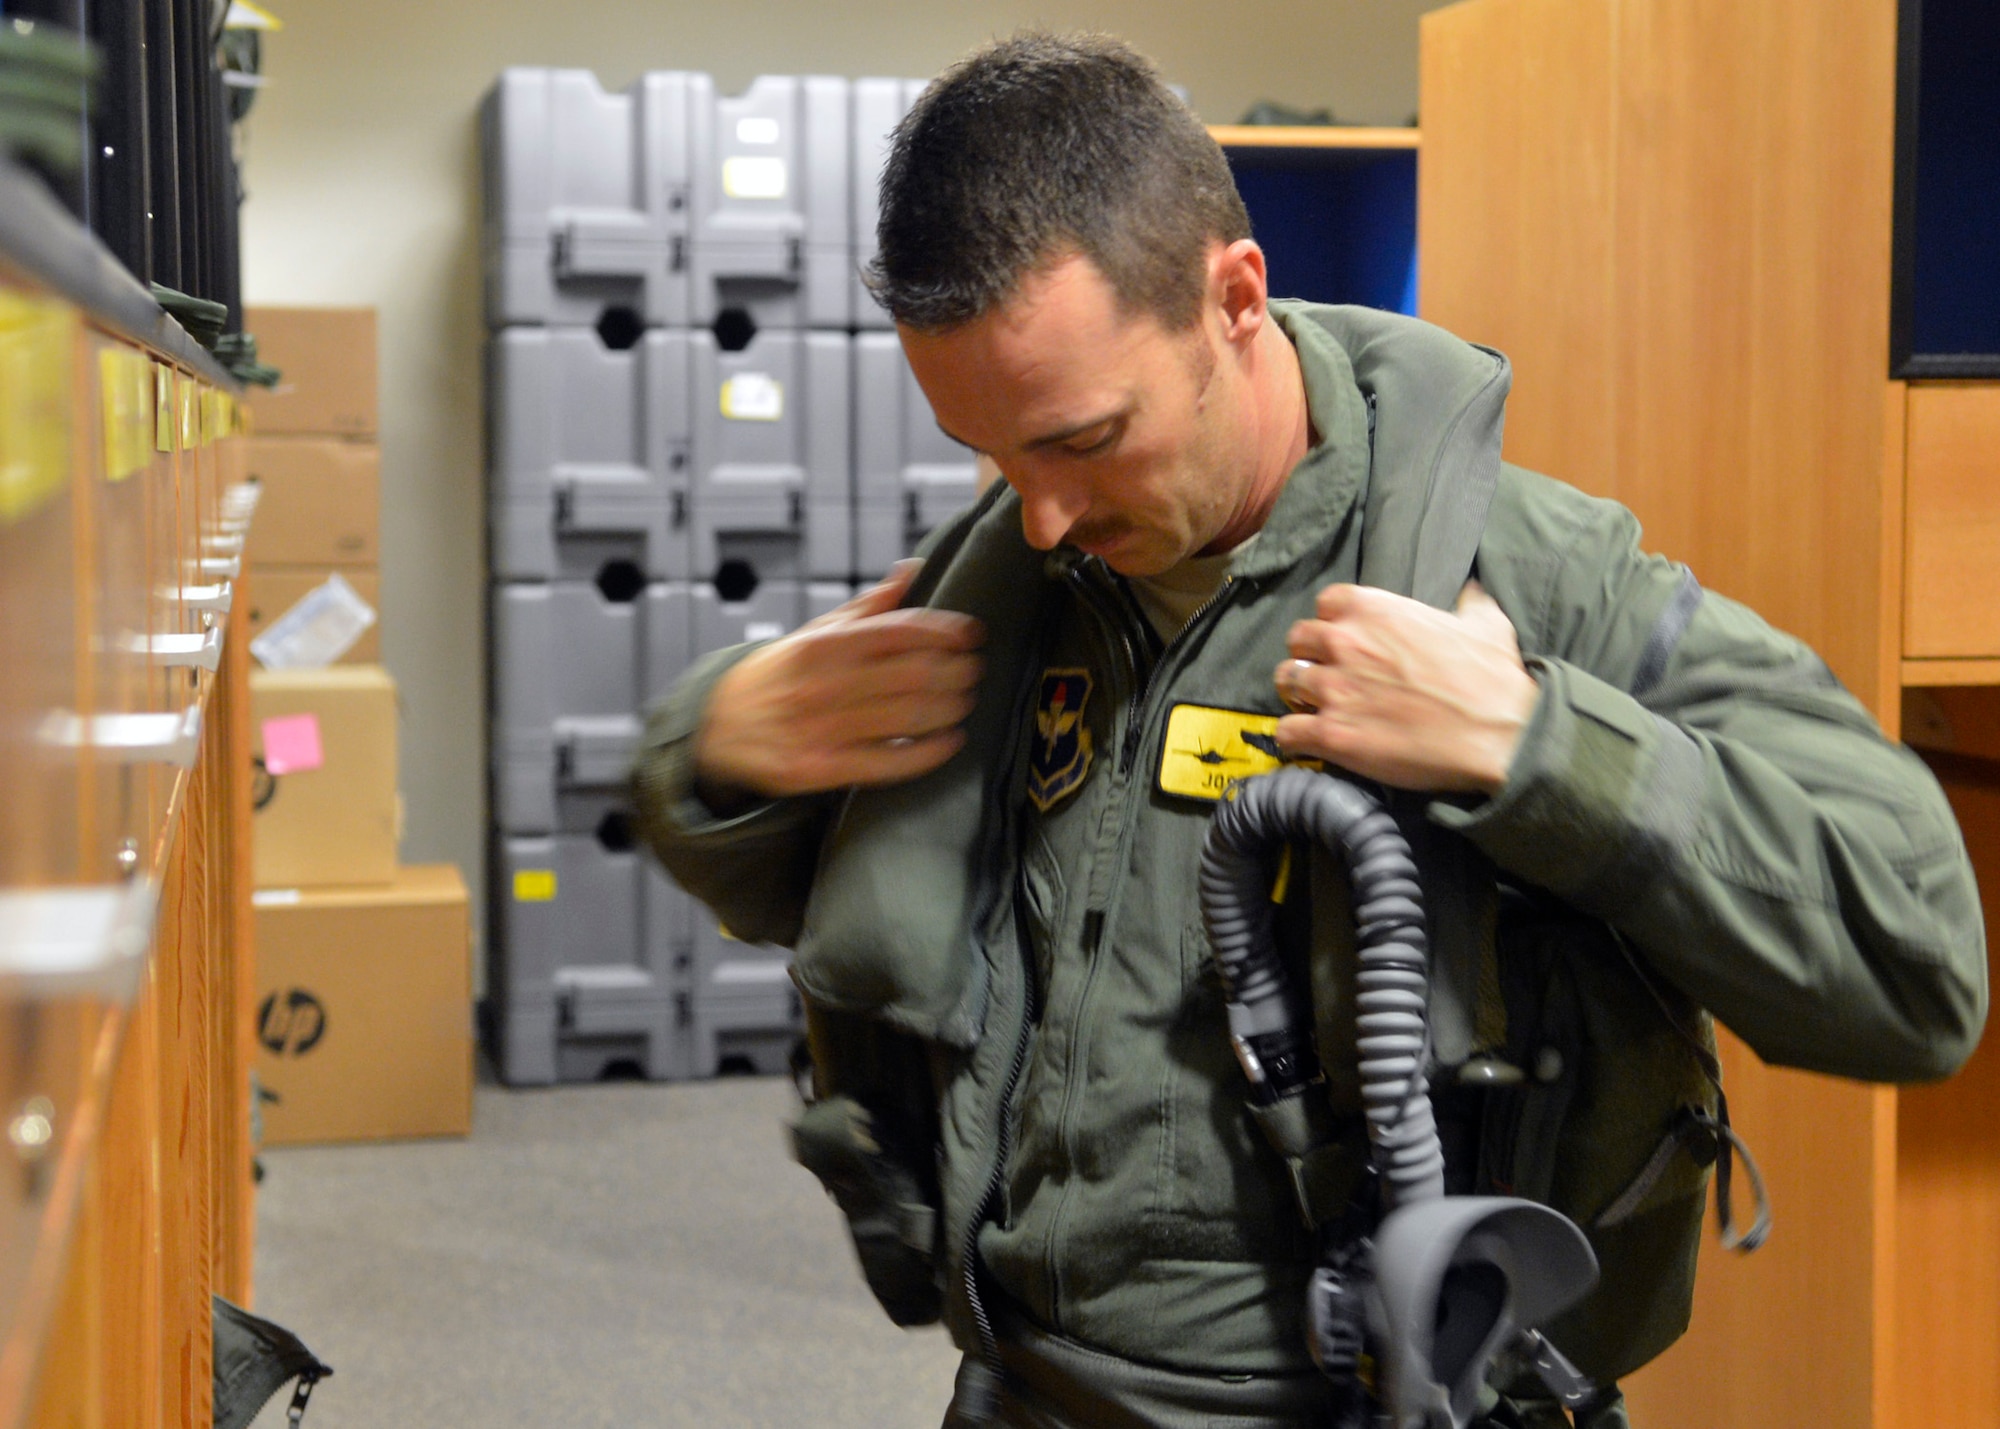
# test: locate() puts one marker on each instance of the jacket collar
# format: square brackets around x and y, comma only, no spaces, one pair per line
[1333,473]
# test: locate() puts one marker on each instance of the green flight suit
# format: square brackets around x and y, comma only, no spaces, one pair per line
[1023,995]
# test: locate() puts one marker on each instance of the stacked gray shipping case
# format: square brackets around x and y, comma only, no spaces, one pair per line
[701,432]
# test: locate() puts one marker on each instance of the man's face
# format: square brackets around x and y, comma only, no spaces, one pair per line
[1122,438]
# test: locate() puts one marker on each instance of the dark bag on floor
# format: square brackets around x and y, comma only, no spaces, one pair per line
[254,1359]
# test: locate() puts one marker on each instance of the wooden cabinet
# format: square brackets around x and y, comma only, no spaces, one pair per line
[1676,217]
[125,1189]
[1951,538]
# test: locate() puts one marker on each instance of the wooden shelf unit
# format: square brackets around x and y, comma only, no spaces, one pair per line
[1923,674]
[1312,136]
[1334,207]
[125,961]
[1676,220]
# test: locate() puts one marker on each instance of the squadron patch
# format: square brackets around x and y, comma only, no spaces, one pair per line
[1209,749]
[1060,756]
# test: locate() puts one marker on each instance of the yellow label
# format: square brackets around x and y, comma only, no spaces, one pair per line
[190,414]
[37,367]
[124,376]
[138,380]
[535,885]
[163,407]
[1209,749]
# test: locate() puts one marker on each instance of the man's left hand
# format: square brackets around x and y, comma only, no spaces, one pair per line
[1394,690]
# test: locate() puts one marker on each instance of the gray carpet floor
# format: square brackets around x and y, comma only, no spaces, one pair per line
[613,1256]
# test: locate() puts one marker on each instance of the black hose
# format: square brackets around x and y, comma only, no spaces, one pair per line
[1270,1019]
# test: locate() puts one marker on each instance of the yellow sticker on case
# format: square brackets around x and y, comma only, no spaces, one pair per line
[535,885]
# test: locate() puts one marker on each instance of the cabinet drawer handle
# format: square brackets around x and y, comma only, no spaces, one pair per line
[77,942]
[201,651]
[213,599]
[129,738]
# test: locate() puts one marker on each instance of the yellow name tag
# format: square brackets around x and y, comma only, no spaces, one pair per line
[1208,749]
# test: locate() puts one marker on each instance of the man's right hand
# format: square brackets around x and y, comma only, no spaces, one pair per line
[866,694]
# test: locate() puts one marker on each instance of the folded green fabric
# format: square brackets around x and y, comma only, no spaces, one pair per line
[204,319]
[47,83]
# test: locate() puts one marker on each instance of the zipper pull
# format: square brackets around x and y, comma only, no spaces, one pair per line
[297,1411]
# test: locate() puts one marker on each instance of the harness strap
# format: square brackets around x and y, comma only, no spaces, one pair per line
[1705,1137]
[1327,1161]
[1467,1014]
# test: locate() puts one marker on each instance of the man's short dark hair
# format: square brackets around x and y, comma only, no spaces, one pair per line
[1040,146]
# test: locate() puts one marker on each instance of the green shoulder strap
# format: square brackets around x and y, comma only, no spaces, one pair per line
[1436,409]
[1438,406]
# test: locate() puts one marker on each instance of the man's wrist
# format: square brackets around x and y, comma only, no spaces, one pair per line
[1507,745]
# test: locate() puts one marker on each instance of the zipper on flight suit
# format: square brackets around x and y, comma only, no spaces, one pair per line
[1114,609]
[989,1342]
[1124,623]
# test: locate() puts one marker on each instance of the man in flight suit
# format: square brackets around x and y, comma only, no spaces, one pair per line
[973,798]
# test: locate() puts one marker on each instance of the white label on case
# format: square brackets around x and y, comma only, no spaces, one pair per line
[757,129]
[754,176]
[274,897]
[763,630]
[753,397]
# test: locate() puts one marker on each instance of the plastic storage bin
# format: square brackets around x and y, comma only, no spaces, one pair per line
[587,196]
[590,956]
[588,453]
[772,226]
[574,665]
[908,475]
[771,459]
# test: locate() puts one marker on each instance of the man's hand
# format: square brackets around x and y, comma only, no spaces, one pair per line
[1394,690]
[866,694]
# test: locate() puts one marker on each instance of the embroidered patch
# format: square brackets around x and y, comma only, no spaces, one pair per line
[1061,754]
[1209,749]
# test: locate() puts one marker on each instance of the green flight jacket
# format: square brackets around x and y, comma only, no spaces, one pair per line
[1028,992]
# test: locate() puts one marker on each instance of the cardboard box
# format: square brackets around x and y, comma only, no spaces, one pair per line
[364,1009]
[327,358]
[273,590]
[321,503]
[325,793]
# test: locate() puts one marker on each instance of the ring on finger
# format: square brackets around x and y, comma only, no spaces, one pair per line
[1291,686]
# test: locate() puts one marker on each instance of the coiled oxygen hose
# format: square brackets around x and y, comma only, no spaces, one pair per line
[1443,1284]
[1267,1023]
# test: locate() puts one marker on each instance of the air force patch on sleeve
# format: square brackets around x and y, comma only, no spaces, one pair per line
[1060,753]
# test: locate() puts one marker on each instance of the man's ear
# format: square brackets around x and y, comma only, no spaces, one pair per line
[1240,288]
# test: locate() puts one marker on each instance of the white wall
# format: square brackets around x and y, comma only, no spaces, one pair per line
[361,172]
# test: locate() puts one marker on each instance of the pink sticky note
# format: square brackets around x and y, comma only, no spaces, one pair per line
[291,744]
